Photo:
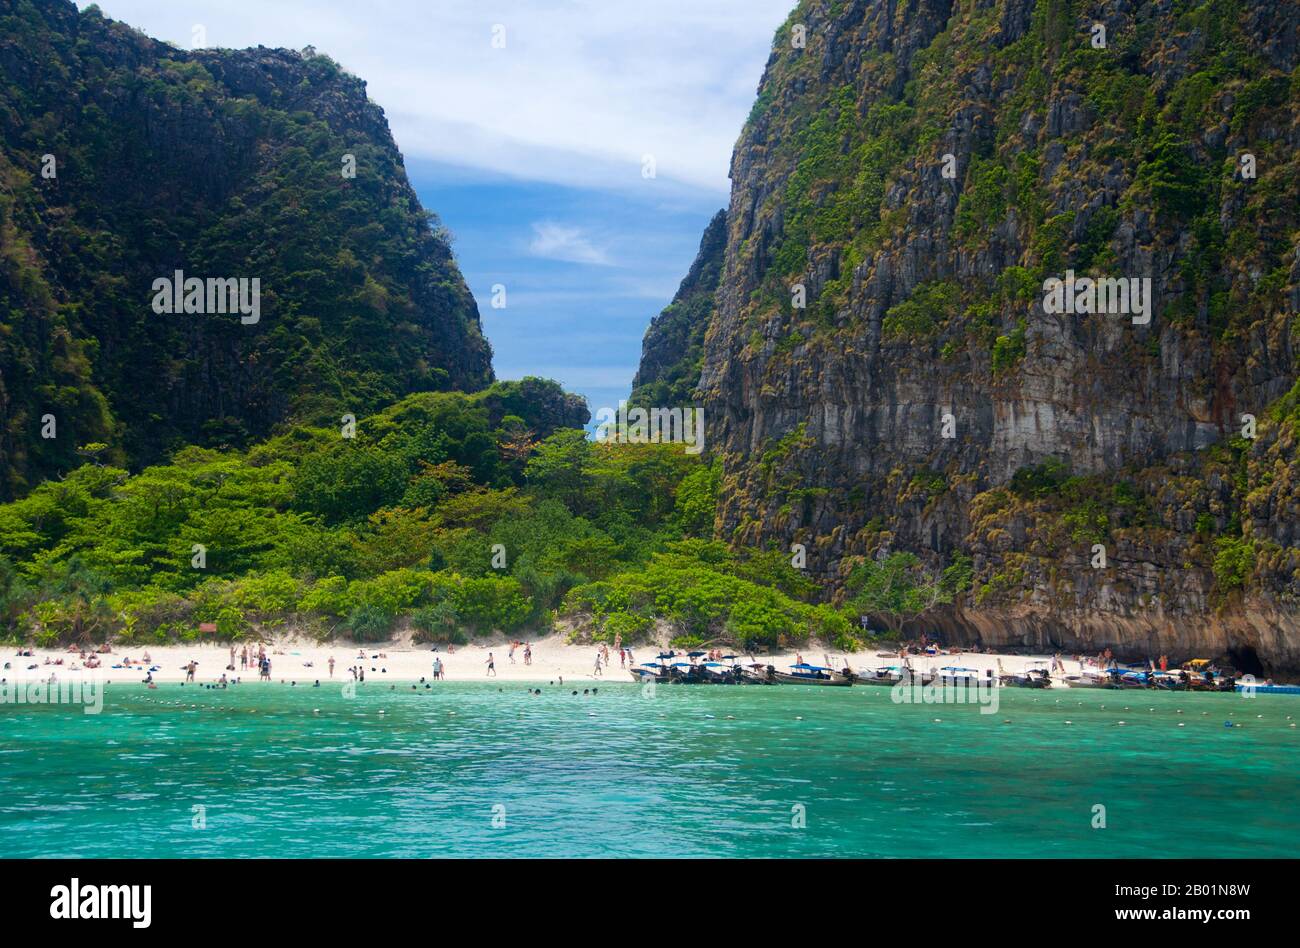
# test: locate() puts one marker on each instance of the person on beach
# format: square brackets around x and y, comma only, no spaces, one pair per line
[511,654]
[331,664]
[598,663]
[492,666]
[190,669]
[437,668]
[361,674]
[622,659]
[243,658]
[528,653]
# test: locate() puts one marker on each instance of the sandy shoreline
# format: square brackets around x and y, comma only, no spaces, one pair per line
[295,660]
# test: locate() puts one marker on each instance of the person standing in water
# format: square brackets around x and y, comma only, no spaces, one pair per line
[492,666]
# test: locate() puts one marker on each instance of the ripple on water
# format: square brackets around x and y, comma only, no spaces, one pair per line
[644,777]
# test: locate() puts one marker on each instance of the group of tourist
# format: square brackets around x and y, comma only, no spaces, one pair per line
[602,657]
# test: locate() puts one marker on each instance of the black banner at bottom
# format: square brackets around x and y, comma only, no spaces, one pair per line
[139,897]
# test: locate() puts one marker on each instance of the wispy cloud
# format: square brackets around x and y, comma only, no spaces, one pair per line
[580,92]
[554,241]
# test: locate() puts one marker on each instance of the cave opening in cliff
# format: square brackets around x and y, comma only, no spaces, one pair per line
[1245,660]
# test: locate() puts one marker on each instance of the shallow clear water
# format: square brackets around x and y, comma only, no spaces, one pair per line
[620,774]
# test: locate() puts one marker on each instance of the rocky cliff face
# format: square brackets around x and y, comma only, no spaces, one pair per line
[673,348]
[230,164]
[881,371]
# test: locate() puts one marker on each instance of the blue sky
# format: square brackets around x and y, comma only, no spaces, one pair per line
[532,149]
[584,269]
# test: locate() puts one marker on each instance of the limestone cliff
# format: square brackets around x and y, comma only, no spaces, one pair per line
[124,159]
[673,348]
[912,173]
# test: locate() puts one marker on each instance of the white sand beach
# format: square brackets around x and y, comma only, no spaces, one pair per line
[304,660]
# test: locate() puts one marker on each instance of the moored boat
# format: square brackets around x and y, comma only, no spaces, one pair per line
[952,675]
[1087,680]
[805,674]
[1128,678]
[1266,688]
[1033,676]
[889,675]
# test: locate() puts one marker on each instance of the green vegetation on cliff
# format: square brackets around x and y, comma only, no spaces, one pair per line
[673,347]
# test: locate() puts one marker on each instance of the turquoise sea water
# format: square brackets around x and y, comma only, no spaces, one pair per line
[620,774]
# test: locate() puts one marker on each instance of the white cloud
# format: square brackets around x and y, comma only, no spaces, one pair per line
[557,242]
[582,90]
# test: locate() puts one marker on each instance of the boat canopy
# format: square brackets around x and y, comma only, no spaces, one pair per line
[817,668]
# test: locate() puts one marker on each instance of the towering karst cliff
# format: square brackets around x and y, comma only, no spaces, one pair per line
[125,159]
[917,171]
[673,348]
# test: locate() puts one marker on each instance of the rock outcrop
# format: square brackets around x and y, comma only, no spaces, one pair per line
[881,372]
[124,160]
[673,348]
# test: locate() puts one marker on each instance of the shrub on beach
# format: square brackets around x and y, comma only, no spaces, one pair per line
[369,623]
[439,623]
